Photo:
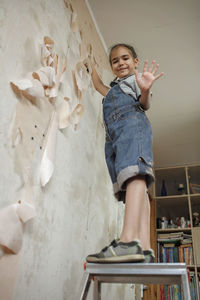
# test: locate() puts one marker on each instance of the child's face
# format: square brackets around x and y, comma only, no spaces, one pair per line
[122,62]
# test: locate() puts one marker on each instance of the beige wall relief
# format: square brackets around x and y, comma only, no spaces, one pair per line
[35,128]
[40,112]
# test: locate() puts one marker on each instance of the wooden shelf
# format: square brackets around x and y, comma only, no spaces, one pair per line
[194,195]
[173,196]
[176,205]
[177,196]
[173,229]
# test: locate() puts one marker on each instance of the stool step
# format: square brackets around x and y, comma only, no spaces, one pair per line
[156,273]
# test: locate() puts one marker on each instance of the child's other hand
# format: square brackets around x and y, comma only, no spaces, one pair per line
[148,76]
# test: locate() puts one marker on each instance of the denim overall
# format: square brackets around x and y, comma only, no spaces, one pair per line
[128,146]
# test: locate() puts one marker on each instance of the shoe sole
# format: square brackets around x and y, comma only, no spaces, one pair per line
[117,259]
[149,261]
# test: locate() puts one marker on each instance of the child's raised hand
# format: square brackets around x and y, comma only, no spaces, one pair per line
[148,76]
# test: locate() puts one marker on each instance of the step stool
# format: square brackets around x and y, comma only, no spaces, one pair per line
[156,273]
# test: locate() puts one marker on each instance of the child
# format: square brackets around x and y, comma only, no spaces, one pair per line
[128,152]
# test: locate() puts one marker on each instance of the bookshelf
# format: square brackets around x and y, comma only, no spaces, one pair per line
[177,215]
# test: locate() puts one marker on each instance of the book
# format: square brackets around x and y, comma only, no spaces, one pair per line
[186,241]
[169,245]
[174,238]
[176,253]
[174,235]
[186,245]
[170,292]
[170,240]
[173,292]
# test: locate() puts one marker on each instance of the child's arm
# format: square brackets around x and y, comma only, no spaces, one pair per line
[145,83]
[98,83]
[144,99]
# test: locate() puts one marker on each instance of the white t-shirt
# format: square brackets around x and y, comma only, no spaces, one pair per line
[129,86]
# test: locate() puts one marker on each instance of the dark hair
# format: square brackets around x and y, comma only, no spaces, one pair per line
[130,48]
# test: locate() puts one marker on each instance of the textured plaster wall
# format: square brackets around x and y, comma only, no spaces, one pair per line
[76,212]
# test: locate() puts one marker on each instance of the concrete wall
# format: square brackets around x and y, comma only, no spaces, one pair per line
[76,212]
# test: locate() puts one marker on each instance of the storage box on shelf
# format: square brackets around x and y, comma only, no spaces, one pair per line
[177,202]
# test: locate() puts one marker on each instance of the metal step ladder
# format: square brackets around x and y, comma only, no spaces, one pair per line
[156,273]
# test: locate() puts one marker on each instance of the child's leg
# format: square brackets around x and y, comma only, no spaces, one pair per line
[145,224]
[145,232]
[134,209]
[129,250]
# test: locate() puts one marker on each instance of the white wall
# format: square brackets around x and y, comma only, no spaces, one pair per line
[76,212]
